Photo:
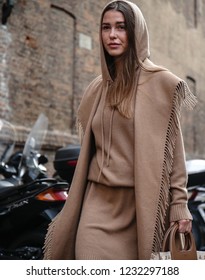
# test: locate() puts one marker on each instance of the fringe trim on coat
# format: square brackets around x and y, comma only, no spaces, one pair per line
[47,248]
[80,130]
[182,96]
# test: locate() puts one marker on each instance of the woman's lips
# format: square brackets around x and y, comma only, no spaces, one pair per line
[113,45]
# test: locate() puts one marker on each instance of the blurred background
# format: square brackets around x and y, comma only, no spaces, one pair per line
[49,53]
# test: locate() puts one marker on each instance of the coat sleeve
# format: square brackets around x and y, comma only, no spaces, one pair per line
[179,196]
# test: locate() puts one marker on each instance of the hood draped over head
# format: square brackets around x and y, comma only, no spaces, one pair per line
[141,36]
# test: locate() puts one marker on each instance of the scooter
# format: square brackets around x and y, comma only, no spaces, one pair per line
[29,200]
[196,201]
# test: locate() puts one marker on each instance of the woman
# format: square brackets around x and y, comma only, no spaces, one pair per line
[130,181]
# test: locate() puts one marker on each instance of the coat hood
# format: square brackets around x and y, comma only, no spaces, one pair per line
[141,38]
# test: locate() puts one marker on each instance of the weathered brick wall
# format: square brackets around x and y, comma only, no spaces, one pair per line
[40,64]
[49,52]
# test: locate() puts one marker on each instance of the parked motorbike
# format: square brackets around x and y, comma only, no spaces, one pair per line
[196,202]
[29,200]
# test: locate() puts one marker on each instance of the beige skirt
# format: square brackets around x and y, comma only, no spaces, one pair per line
[107,228]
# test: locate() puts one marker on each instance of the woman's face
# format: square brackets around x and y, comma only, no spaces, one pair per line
[114,33]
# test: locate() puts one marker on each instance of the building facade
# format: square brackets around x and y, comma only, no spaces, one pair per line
[49,53]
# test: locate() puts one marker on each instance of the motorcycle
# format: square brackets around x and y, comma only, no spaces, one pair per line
[29,199]
[196,201]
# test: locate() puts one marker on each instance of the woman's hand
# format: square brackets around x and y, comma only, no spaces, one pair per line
[185,226]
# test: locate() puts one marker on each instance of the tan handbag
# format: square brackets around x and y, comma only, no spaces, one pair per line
[178,246]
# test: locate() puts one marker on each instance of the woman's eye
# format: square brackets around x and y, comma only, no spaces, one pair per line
[121,27]
[105,27]
[117,27]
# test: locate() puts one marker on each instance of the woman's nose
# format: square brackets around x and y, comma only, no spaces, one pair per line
[113,33]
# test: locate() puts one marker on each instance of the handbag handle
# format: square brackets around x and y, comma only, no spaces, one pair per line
[172,243]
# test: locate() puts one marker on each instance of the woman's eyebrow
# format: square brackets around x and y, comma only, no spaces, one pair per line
[117,22]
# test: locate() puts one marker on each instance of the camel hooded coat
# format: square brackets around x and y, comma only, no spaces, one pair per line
[159,160]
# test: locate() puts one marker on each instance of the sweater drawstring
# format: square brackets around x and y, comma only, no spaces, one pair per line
[110,137]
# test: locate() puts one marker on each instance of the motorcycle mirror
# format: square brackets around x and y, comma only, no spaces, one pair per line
[42,159]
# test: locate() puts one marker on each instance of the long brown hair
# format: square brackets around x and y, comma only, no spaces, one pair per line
[121,91]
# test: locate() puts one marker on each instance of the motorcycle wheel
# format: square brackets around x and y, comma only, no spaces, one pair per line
[29,246]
